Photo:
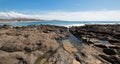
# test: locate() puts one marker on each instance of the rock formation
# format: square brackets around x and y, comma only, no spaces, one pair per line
[47,44]
[104,38]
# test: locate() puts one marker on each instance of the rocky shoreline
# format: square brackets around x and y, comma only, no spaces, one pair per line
[96,36]
[47,44]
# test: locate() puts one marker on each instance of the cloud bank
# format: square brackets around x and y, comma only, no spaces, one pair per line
[68,16]
[12,14]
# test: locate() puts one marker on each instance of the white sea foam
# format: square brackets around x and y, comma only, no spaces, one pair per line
[70,25]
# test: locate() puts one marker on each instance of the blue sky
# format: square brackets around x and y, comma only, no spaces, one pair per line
[93,10]
[59,5]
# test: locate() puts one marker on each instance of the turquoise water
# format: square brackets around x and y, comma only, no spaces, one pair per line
[59,23]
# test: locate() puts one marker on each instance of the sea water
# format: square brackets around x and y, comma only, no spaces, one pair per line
[58,23]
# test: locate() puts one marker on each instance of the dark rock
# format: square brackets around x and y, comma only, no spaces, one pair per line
[39,45]
[114,47]
[108,33]
[110,51]
[112,59]
[117,36]
[7,26]
[100,45]
[114,41]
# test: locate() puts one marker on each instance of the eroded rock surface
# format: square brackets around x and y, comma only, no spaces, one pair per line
[47,44]
[104,38]
[24,45]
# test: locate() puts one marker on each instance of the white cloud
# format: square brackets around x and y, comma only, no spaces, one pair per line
[13,14]
[69,16]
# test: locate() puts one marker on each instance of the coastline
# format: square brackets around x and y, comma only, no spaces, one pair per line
[47,43]
[57,23]
[20,21]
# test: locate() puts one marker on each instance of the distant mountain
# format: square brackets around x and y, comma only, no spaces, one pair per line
[21,19]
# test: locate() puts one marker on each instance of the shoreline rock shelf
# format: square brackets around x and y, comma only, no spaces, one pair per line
[109,36]
[48,44]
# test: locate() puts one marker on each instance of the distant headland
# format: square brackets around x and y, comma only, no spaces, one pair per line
[20,19]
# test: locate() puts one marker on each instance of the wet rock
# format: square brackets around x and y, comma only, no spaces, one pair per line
[47,44]
[114,41]
[111,59]
[109,40]
[7,26]
[117,36]
[114,47]
[100,45]
[110,51]
[93,40]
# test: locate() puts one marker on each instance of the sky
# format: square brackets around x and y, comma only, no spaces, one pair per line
[78,10]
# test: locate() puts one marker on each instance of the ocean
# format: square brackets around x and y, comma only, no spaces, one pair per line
[59,23]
